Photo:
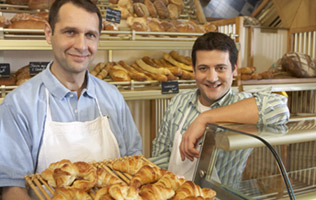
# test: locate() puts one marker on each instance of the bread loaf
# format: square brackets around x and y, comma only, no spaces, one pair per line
[8,81]
[169,58]
[118,73]
[178,3]
[168,27]
[162,9]
[27,21]
[133,73]
[40,4]
[174,12]
[17,2]
[151,69]
[4,22]
[140,10]
[151,8]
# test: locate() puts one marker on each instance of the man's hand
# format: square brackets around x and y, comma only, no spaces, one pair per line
[13,193]
[191,137]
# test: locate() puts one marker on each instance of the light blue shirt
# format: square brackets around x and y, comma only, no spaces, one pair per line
[23,116]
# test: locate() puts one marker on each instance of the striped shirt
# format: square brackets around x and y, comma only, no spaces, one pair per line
[272,110]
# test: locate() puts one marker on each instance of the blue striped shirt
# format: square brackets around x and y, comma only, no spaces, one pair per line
[272,110]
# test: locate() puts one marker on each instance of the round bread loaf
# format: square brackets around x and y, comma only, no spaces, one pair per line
[140,10]
[162,10]
[151,8]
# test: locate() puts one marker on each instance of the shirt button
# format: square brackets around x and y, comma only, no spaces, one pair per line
[71,95]
[76,111]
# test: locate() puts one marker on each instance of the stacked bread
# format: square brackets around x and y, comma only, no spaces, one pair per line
[249,73]
[156,25]
[36,4]
[142,181]
[163,9]
[29,21]
[171,66]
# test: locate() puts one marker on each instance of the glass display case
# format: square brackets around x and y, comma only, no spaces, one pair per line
[259,162]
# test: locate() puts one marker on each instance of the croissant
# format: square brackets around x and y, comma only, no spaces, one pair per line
[198,198]
[68,193]
[156,192]
[145,175]
[128,165]
[122,192]
[103,194]
[79,175]
[105,178]
[47,174]
[170,180]
[189,189]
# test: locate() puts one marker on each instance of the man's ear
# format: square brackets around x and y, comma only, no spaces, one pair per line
[48,33]
[235,70]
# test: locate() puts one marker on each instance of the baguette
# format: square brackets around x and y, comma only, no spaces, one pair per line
[175,55]
[133,73]
[150,62]
[151,69]
[169,58]
[158,77]
[177,71]
[118,73]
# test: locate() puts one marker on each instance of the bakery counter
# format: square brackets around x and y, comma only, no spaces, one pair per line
[260,162]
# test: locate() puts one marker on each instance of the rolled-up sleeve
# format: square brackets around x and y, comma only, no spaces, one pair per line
[272,108]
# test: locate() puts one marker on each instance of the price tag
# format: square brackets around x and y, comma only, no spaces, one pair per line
[171,87]
[37,67]
[113,15]
[4,70]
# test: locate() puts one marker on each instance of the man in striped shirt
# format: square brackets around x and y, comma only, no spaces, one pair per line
[214,59]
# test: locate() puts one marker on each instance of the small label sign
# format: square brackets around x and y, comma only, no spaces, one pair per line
[4,70]
[170,87]
[37,67]
[113,15]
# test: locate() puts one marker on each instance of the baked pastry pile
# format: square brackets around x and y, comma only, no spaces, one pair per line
[171,66]
[134,178]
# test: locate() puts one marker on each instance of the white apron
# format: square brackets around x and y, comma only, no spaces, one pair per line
[184,168]
[76,141]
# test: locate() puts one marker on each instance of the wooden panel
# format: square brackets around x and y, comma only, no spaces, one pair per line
[306,15]
[287,10]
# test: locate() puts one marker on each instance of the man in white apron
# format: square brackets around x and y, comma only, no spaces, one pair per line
[64,112]
[214,59]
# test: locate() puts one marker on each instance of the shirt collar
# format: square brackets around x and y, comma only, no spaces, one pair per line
[59,90]
[221,102]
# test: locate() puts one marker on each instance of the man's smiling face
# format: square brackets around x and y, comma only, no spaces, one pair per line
[214,75]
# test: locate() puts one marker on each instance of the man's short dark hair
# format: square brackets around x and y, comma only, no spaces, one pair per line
[215,41]
[85,4]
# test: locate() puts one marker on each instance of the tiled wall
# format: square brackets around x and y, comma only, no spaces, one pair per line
[229,8]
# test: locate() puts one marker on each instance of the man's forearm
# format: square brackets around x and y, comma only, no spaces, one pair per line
[245,111]
[13,193]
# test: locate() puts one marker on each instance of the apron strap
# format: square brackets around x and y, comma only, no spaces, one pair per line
[48,112]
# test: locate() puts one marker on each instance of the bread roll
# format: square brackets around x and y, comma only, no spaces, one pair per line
[151,8]
[178,3]
[174,12]
[162,9]
[140,10]
[4,22]
[168,27]
[154,25]
[28,24]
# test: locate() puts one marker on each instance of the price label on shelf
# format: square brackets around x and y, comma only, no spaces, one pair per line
[37,67]
[113,15]
[4,70]
[170,87]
